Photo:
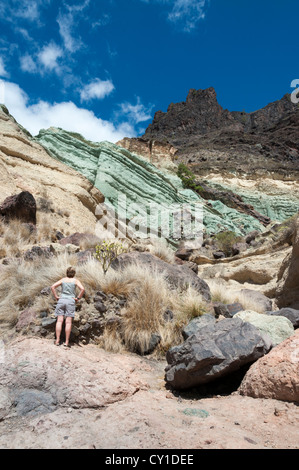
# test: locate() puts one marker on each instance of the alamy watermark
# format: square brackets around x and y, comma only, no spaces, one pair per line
[127,219]
[295,93]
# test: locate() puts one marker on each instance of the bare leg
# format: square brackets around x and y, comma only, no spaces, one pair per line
[58,328]
[68,328]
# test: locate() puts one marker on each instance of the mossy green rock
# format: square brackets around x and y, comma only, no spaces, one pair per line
[278,328]
[129,182]
[277,204]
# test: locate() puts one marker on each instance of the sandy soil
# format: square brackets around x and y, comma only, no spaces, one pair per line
[91,399]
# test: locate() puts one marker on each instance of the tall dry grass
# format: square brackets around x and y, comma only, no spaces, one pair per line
[160,249]
[221,292]
[147,291]
[21,282]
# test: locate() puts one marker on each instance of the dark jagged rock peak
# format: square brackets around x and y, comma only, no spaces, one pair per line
[199,114]
[266,139]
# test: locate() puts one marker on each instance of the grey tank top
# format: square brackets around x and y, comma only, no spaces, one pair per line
[68,290]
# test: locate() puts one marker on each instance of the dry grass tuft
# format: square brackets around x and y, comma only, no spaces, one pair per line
[160,249]
[21,282]
[144,314]
[224,294]
[14,236]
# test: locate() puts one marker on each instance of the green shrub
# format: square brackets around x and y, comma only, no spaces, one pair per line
[108,251]
[188,178]
[226,240]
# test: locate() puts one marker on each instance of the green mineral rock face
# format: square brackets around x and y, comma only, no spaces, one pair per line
[142,195]
[272,202]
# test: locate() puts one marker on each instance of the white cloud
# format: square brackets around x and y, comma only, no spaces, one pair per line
[136,113]
[67,22]
[29,10]
[28,64]
[185,13]
[49,56]
[97,89]
[189,12]
[3,71]
[65,115]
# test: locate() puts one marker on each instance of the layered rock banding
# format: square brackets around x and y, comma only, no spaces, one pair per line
[137,190]
[253,155]
[67,198]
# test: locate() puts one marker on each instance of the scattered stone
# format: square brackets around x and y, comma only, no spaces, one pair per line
[251,236]
[46,291]
[60,248]
[219,255]
[216,350]
[184,254]
[278,328]
[275,375]
[153,343]
[48,323]
[168,315]
[258,298]
[227,310]
[59,235]
[21,206]
[100,307]
[196,325]
[37,251]
[26,318]
[290,313]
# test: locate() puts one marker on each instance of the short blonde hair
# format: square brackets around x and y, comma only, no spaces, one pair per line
[70,272]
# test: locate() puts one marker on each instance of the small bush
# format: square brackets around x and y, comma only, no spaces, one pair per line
[226,240]
[188,178]
[107,252]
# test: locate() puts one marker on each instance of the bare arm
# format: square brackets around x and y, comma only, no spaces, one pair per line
[58,283]
[82,290]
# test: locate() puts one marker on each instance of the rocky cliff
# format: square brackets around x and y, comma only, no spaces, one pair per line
[136,189]
[67,197]
[254,155]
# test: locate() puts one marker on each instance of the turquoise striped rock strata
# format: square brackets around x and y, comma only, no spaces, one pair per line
[131,185]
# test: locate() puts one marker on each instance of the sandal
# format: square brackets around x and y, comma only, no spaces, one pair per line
[66,345]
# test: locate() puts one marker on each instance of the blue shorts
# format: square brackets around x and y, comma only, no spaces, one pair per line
[65,308]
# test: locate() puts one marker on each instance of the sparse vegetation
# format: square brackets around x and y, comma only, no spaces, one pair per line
[107,252]
[160,249]
[147,293]
[222,293]
[226,240]
[188,178]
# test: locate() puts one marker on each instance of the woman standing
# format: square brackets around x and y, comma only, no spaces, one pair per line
[66,304]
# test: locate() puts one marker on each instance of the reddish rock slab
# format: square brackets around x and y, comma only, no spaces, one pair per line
[275,375]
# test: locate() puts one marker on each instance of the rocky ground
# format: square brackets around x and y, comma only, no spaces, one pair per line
[86,398]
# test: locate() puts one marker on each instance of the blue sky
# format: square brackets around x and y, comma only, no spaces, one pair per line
[104,67]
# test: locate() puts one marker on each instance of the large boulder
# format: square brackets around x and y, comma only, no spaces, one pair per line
[278,328]
[275,375]
[177,276]
[21,206]
[215,350]
[287,291]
